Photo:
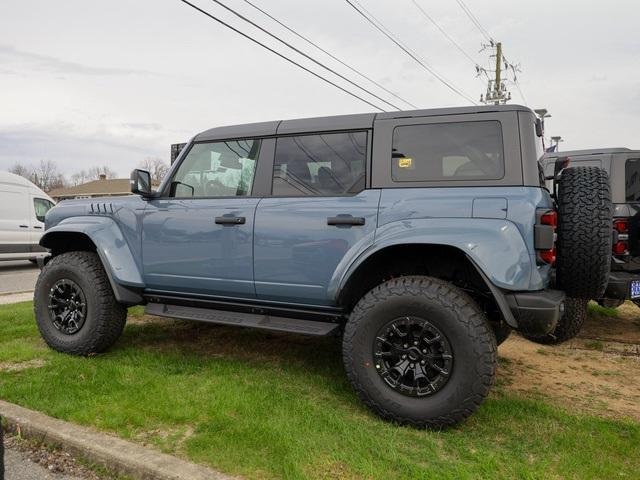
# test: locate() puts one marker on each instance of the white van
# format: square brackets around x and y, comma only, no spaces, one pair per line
[22,210]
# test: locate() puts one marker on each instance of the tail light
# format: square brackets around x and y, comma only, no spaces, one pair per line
[621,228]
[545,236]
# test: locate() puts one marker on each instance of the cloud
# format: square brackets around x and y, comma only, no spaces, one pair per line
[46,63]
[73,150]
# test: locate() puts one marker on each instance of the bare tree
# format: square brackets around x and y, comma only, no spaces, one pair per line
[79,178]
[95,172]
[156,167]
[46,176]
[22,170]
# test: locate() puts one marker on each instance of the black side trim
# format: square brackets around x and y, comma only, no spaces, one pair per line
[16,248]
[332,315]
[239,319]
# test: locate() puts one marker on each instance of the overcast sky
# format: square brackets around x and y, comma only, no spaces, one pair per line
[86,82]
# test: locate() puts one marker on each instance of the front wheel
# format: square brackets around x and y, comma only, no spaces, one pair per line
[74,305]
[419,351]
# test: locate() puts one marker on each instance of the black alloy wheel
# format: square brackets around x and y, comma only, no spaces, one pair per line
[67,306]
[413,356]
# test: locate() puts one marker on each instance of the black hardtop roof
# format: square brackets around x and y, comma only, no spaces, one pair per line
[339,122]
[590,151]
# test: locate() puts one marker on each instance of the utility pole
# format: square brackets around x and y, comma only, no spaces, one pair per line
[498,66]
[497,92]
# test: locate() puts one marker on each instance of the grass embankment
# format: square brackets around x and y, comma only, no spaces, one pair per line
[269,406]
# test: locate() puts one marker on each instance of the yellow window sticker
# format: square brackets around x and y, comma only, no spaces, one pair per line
[405,162]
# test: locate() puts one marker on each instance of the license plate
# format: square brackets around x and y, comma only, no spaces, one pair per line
[635,288]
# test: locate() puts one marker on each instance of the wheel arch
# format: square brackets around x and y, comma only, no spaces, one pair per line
[102,236]
[445,262]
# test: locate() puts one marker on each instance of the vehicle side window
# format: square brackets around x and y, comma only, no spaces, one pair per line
[448,151]
[632,179]
[217,169]
[316,165]
[42,206]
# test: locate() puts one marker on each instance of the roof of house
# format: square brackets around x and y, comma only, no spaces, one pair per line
[113,186]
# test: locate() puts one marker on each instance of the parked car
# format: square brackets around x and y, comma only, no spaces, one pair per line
[23,207]
[423,237]
[623,167]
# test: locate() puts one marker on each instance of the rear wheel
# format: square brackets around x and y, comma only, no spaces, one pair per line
[584,232]
[75,308]
[419,351]
[575,314]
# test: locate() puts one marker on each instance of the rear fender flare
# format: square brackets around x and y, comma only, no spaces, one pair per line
[495,247]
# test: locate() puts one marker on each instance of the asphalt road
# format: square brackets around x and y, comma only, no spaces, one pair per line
[19,467]
[17,276]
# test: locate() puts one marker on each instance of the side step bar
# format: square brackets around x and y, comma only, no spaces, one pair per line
[252,320]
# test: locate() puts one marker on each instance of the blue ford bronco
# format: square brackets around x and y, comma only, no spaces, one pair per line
[420,237]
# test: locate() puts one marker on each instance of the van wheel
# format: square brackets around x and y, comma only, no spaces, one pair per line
[584,232]
[419,351]
[569,325]
[74,305]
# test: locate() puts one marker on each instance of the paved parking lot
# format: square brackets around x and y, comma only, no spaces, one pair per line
[17,276]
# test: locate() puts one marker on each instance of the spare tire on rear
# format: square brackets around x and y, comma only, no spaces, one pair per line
[584,232]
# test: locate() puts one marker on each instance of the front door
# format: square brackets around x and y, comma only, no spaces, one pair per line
[317,216]
[198,237]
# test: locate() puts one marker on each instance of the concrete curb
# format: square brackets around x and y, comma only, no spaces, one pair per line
[9,298]
[117,455]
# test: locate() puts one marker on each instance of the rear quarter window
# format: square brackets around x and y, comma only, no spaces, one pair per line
[448,151]
[632,180]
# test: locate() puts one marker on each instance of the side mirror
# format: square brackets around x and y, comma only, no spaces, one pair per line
[141,182]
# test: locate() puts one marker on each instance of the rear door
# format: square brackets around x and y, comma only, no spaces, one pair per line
[14,221]
[198,238]
[318,216]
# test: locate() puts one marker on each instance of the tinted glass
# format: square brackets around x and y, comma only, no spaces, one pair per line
[219,169]
[328,164]
[41,206]
[448,151]
[632,179]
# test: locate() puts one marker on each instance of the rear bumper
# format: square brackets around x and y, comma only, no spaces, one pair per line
[619,285]
[537,313]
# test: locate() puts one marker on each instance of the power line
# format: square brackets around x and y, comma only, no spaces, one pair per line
[455,44]
[379,26]
[330,54]
[475,21]
[281,55]
[300,52]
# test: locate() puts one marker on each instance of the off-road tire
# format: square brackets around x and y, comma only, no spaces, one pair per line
[105,317]
[501,331]
[584,232]
[569,325]
[458,318]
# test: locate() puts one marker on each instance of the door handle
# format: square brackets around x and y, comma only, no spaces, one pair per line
[346,220]
[24,226]
[230,220]
[38,227]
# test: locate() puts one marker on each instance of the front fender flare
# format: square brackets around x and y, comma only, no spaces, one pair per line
[122,268]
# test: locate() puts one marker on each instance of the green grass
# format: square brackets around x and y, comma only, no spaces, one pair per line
[598,311]
[275,406]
